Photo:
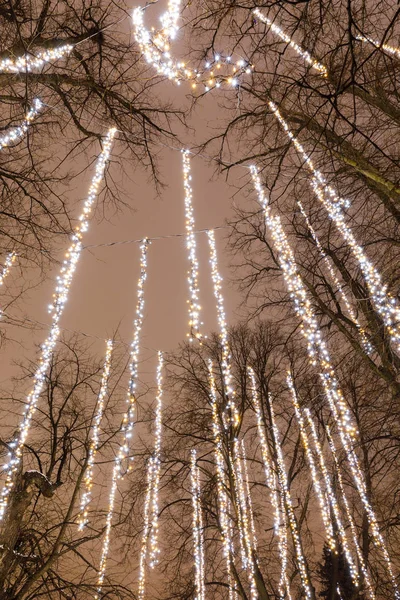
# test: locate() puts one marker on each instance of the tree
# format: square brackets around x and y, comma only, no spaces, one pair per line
[335,578]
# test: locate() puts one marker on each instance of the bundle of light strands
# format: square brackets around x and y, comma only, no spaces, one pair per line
[8,263]
[128,420]
[385,304]
[309,59]
[156,50]
[348,511]
[94,441]
[279,527]
[319,356]
[393,50]
[197,528]
[154,547]
[60,296]
[244,519]
[223,501]
[248,497]
[146,530]
[16,133]
[193,274]
[282,477]
[223,331]
[31,62]
[336,511]
[365,343]
[327,499]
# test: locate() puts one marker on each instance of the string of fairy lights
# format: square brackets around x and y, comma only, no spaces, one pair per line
[7,266]
[197,528]
[17,133]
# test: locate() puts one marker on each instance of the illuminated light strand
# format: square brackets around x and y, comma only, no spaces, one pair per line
[223,329]
[60,296]
[248,496]
[94,441]
[197,528]
[154,548]
[8,263]
[348,511]
[244,520]
[128,419]
[170,19]
[226,532]
[386,47]
[386,305]
[193,274]
[30,63]
[155,48]
[324,506]
[146,529]
[309,59]
[282,477]
[16,133]
[279,528]
[366,344]
[319,356]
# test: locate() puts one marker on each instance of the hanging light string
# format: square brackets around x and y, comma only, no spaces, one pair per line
[94,441]
[279,527]
[146,530]
[248,497]
[224,518]
[308,58]
[244,519]
[282,477]
[386,305]
[330,495]
[323,504]
[60,297]
[197,528]
[393,50]
[319,356]
[16,133]
[353,529]
[29,62]
[193,273]
[8,263]
[128,419]
[154,547]
[365,342]
[223,331]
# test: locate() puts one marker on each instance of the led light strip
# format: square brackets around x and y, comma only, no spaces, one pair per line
[8,263]
[386,47]
[94,441]
[146,529]
[244,520]
[60,296]
[16,133]
[282,477]
[222,495]
[193,274]
[279,528]
[30,63]
[348,511]
[366,344]
[319,357]
[226,356]
[154,548]
[385,304]
[128,420]
[309,59]
[197,528]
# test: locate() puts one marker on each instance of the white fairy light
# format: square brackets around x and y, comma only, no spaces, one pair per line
[222,495]
[244,520]
[94,441]
[197,528]
[193,274]
[128,419]
[309,59]
[386,305]
[282,477]
[146,529]
[348,511]
[279,528]
[324,506]
[366,344]
[60,297]
[319,356]
[394,50]
[248,496]
[8,263]
[33,62]
[154,549]
[16,133]
[223,330]
[170,19]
